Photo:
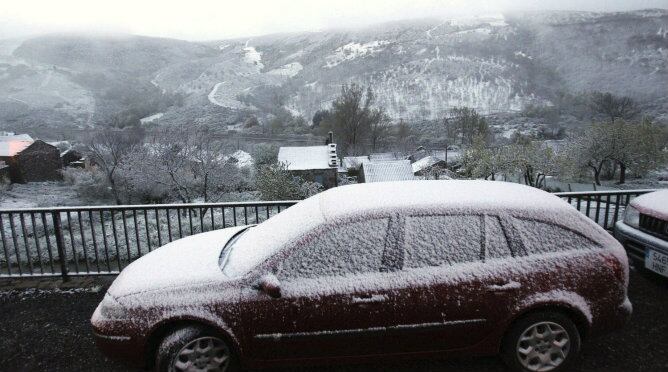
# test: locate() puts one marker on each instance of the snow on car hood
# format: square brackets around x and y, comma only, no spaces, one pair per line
[654,204]
[188,261]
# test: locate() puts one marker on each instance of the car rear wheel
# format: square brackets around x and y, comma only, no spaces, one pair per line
[541,342]
[193,349]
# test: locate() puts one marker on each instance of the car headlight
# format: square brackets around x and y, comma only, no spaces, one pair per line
[111,309]
[632,217]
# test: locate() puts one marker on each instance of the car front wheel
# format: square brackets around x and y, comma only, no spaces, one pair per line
[541,342]
[194,348]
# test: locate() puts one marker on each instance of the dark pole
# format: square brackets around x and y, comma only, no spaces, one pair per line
[60,244]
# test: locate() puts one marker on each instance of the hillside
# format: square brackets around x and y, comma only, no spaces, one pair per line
[418,69]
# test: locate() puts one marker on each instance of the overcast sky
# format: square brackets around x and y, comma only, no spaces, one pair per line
[217,19]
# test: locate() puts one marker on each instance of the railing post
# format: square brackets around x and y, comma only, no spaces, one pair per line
[60,244]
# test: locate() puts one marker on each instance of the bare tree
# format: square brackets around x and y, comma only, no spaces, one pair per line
[404,135]
[534,161]
[352,118]
[380,127]
[613,107]
[587,152]
[163,160]
[636,146]
[482,161]
[109,149]
[465,124]
[209,165]
[190,161]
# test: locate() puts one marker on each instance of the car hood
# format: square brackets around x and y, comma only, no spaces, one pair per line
[185,262]
[654,204]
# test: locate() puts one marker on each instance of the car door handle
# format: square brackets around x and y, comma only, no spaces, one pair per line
[504,287]
[369,299]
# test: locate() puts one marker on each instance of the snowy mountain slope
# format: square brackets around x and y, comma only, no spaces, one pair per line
[419,69]
[494,63]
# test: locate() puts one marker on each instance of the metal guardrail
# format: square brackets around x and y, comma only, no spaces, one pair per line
[604,207]
[102,240]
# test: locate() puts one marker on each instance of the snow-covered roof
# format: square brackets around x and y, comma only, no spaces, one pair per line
[308,157]
[354,162]
[385,156]
[11,144]
[654,204]
[424,163]
[243,159]
[11,148]
[385,171]
[15,137]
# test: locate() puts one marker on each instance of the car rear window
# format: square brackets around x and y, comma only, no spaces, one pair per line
[442,240]
[541,237]
[346,249]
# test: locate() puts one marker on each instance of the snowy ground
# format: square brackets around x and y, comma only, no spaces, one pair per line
[40,194]
[61,323]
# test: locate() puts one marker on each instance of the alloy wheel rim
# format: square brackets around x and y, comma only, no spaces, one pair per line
[543,347]
[202,354]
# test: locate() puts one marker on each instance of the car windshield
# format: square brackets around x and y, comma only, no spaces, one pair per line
[252,247]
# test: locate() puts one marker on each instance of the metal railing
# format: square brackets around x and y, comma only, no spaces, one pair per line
[604,207]
[103,240]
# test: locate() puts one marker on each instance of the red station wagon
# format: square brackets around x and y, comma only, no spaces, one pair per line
[375,271]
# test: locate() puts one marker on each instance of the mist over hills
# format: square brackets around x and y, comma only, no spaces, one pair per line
[419,69]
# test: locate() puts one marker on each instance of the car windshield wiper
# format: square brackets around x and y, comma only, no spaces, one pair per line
[229,246]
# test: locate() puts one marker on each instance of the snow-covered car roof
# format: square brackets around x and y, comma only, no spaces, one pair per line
[654,204]
[435,196]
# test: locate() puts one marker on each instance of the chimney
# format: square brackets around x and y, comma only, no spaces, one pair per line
[330,138]
[333,158]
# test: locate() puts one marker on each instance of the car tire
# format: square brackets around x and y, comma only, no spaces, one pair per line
[195,346]
[535,340]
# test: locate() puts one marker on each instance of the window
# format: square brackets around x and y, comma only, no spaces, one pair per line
[496,244]
[540,237]
[442,240]
[352,248]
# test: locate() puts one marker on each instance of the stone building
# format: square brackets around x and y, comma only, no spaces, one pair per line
[30,160]
[312,163]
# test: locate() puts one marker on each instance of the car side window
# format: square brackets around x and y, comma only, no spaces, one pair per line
[542,237]
[341,250]
[442,240]
[496,243]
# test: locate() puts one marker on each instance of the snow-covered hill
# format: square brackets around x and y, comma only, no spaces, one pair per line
[419,69]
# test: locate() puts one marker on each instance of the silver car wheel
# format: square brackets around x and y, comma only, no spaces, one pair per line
[543,347]
[202,354]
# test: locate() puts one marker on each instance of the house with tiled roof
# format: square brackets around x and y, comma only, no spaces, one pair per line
[29,160]
[312,163]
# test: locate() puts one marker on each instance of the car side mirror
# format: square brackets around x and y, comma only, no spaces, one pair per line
[270,285]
